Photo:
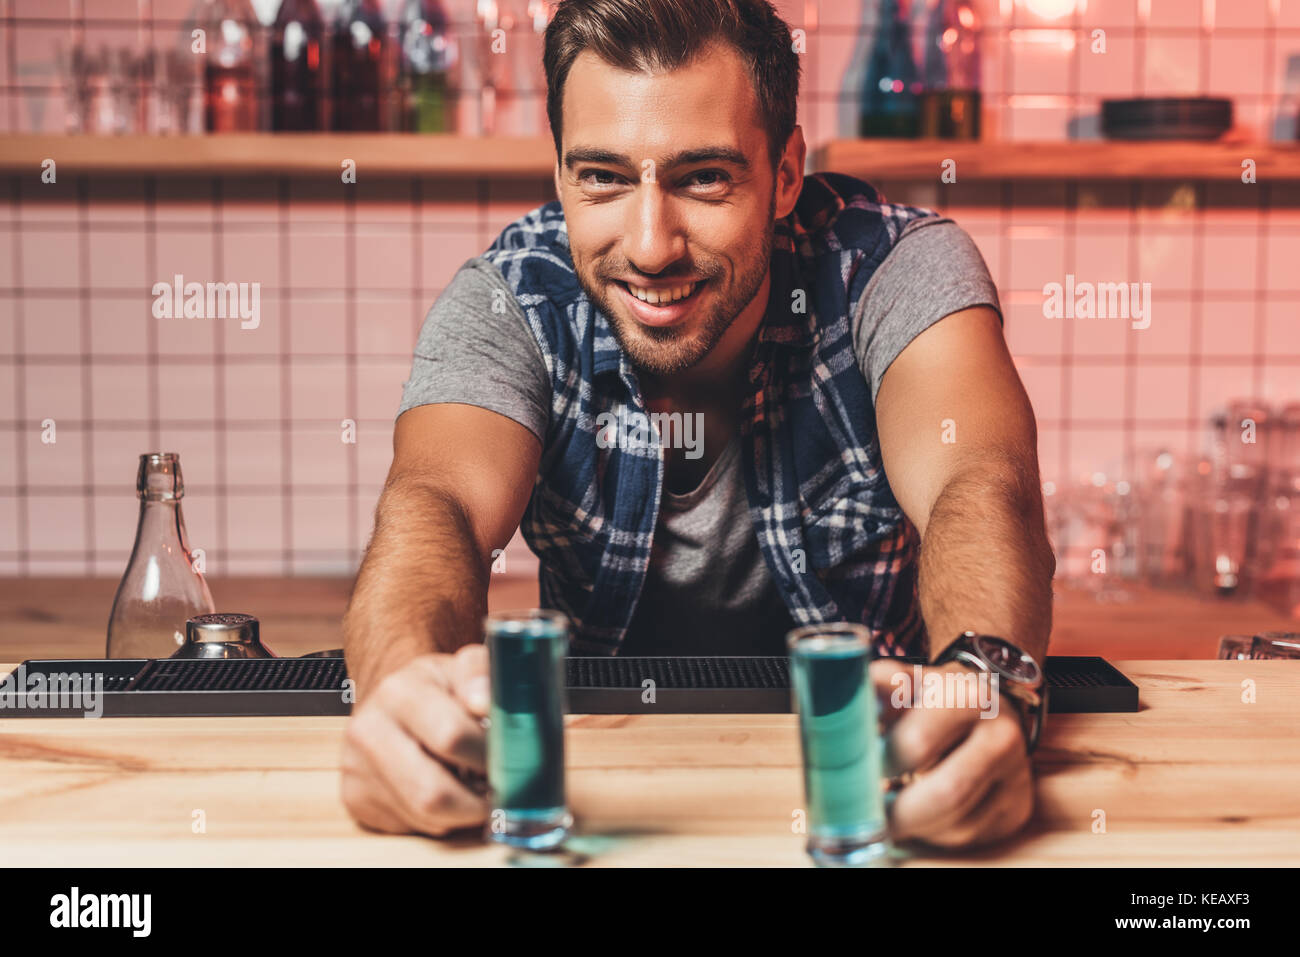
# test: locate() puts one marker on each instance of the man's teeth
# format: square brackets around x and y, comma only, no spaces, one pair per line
[657,296]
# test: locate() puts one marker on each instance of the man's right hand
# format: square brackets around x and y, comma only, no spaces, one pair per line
[406,740]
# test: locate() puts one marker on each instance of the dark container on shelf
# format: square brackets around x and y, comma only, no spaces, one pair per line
[360,51]
[890,106]
[1166,118]
[950,99]
[298,89]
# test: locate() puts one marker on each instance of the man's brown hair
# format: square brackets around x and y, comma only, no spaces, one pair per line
[657,35]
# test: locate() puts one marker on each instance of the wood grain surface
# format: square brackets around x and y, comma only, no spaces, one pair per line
[1197,777]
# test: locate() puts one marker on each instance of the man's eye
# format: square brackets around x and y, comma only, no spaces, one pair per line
[599,177]
[708,178]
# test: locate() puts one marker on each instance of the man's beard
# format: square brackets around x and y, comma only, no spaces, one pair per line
[668,351]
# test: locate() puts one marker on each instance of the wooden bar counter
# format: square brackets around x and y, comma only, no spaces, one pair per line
[1197,777]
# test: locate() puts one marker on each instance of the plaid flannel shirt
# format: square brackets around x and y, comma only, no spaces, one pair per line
[835,540]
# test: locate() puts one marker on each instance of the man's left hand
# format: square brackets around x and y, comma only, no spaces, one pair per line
[971,781]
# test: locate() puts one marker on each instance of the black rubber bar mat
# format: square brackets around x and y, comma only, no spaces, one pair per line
[140,687]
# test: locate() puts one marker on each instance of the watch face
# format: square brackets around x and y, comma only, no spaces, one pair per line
[1007,657]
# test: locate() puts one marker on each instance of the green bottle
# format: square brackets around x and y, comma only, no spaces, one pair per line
[429,52]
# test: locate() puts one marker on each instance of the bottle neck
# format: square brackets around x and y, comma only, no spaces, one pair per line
[161,530]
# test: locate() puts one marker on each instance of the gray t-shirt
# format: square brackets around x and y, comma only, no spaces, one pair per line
[708,590]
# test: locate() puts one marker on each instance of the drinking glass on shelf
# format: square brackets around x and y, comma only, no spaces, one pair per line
[1235,647]
[1093,527]
[493,73]
[1284,461]
[185,71]
[1227,515]
[180,93]
[540,14]
[146,97]
[1224,529]
[72,68]
[1240,441]
[1278,582]
[1161,500]
[107,96]
[1269,645]
[1279,578]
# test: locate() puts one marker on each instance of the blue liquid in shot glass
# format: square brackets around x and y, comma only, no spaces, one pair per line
[525,738]
[841,752]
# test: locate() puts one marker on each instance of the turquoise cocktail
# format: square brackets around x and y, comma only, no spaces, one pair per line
[841,744]
[525,736]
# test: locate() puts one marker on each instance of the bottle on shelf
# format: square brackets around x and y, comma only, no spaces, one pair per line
[428,56]
[297,68]
[890,86]
[533,17]
[161,588]
[182,72]
[361,54]
[230,76]
[950,97]
[514,84]
[493,23]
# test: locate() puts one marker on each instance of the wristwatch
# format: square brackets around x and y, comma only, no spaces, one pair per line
[1020,678]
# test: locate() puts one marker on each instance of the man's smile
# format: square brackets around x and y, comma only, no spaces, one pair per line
[662,305]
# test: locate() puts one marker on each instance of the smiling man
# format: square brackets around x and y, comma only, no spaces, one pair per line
[865,450]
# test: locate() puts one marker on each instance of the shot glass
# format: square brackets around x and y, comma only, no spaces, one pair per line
[525,734]
[842,751]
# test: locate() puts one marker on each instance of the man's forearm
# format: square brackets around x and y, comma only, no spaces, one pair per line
[422,586]
[986,563]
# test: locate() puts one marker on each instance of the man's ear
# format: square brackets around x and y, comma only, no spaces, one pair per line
[789,173]
[557,179]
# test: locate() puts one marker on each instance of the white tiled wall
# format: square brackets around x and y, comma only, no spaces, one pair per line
[346,280]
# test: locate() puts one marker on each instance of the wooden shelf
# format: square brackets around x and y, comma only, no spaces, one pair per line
[272,154]
[1084,159]
[406,154]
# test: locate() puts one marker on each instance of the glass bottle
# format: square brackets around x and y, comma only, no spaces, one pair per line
[534,17]
[1279,582]
[518,80]
[161,589]
[890,86]
[950,100]
[184,68]
[229,78]
[297,74]
[493,25]
[429,52]
[359,50]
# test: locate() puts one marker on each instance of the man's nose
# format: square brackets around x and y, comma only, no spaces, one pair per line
[653,238]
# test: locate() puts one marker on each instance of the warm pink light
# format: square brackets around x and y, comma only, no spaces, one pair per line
[1050,9]
[1053,36]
